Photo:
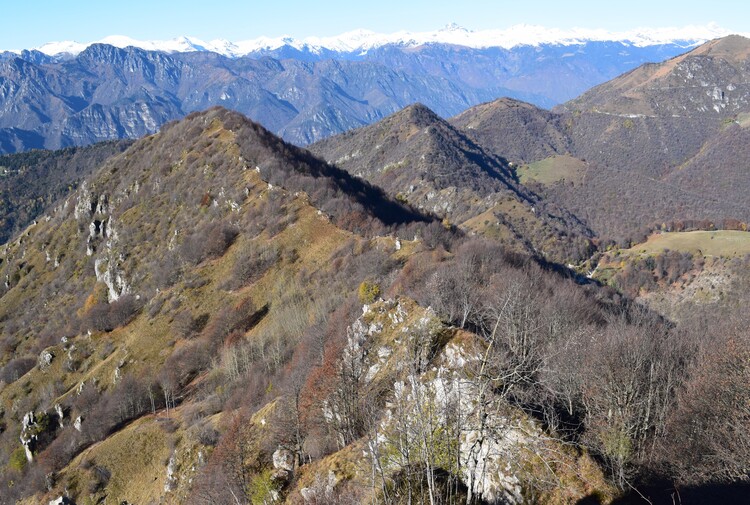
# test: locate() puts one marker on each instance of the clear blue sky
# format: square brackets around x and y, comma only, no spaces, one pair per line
[31,23]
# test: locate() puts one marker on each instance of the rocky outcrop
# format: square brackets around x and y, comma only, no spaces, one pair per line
[63,500]
[60,415]
[322,490]
[31,426]
[171,483]
[283,464]
[45,359]
[92,211]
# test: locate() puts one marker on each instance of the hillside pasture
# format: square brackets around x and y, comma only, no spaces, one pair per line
[726,243]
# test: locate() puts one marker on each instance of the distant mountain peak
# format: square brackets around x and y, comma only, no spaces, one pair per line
[360,40]
[453,27]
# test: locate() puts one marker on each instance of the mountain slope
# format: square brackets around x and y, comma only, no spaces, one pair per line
[658,144]
[420,158]
[158,321]
[216,316]
[658,116]
[518,131]
[181,224]
[709,78]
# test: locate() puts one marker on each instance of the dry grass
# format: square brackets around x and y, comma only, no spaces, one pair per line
[726,243]
[553,169]
[136,457]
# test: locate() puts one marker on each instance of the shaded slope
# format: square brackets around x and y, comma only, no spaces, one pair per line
[518,131]
[719,173]
[31,181]
[416,143]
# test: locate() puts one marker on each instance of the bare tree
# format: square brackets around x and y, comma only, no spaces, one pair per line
[633,370]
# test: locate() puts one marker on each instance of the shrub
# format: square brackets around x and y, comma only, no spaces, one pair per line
[251,264]
[368,292]
[17,460]
[208,435]
[108,316]
[16,368]
[99,479]
[210,240]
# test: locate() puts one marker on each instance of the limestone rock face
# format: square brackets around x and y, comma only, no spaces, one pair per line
[63,500]
[171,482]
[322,490]
[283,464]
[45,359]
[60,414]
[283,459]
[28,434]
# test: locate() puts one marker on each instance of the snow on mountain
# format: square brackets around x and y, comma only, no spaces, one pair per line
[53,48]
[364,40]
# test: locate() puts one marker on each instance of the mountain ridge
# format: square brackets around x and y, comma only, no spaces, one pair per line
[360,40]
[106,92]
[217,316]
[422,159]
[660,144]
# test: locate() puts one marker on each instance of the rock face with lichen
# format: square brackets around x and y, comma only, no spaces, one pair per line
[33,426]
[101,240]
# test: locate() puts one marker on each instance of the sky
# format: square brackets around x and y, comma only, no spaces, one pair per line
[31,23]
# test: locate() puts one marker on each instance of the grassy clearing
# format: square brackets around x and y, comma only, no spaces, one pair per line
[553,169]
[725,243]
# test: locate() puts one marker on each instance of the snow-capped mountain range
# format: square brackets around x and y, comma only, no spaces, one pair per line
[359,41]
